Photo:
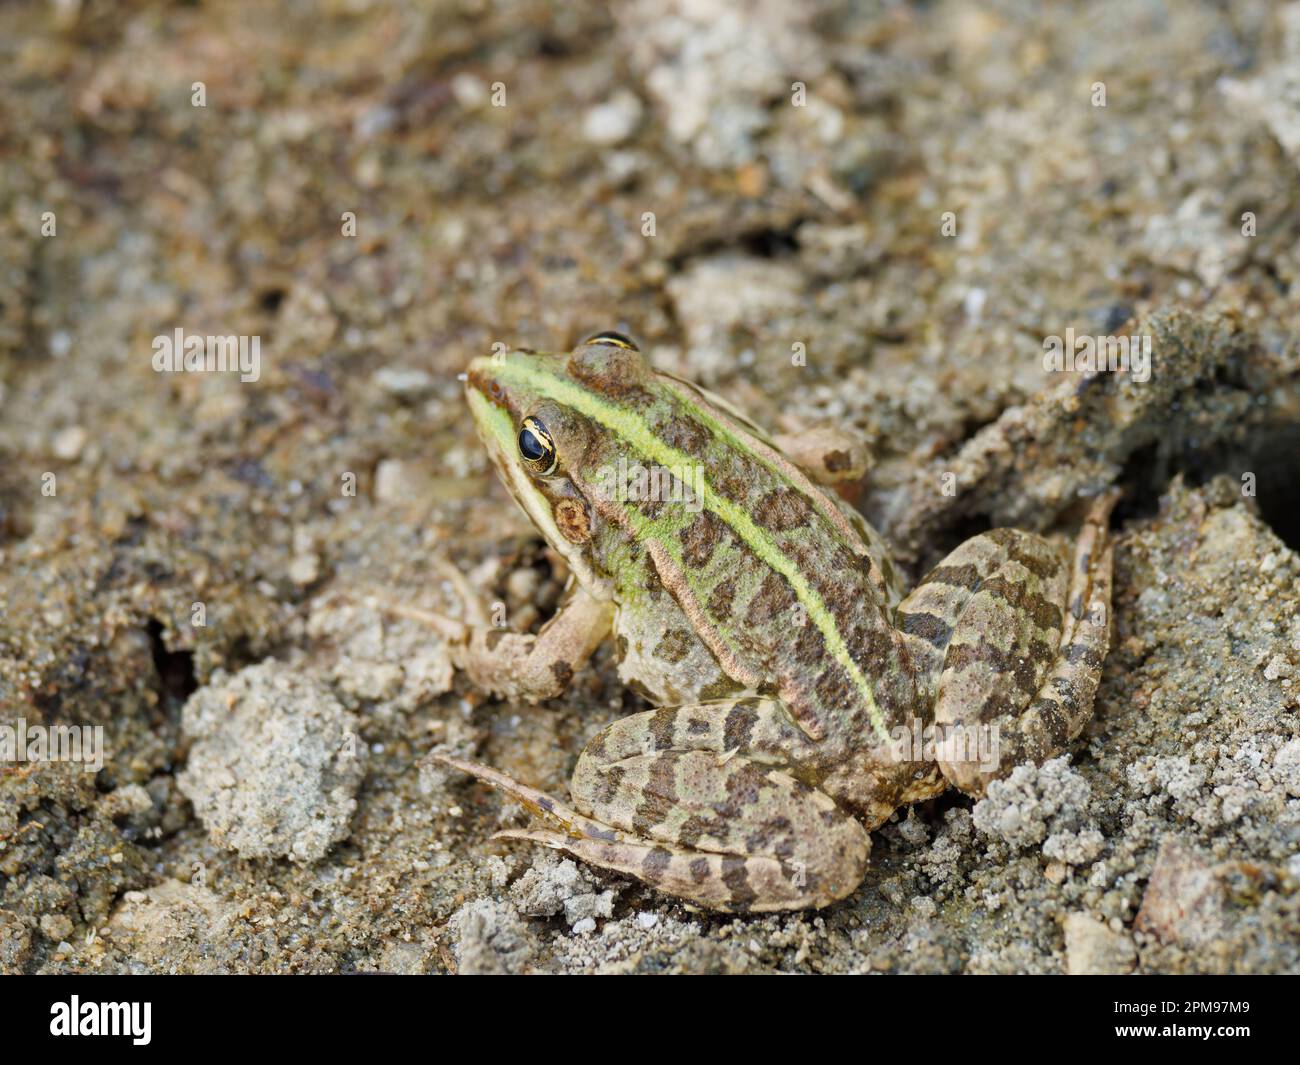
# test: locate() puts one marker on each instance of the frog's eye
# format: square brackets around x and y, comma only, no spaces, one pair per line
[618,340]
[537,448]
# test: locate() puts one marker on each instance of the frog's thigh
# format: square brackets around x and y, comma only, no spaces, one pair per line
[512,665]
[1016,629]
[705,809]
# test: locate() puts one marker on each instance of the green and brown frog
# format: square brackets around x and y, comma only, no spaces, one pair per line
[794,680]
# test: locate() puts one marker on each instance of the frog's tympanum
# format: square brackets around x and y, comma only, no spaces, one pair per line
[802,698]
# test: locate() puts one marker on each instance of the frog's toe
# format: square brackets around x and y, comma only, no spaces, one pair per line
[541,836]
[535,801]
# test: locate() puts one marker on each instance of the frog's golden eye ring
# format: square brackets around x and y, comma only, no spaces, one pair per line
[618,340]
[537,447]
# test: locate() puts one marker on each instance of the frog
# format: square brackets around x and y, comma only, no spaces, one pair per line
[799,697]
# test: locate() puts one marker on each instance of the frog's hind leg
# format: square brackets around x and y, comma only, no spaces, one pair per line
[1009,632]
[700,802]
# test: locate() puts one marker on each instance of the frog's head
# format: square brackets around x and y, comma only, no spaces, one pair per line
[544,419]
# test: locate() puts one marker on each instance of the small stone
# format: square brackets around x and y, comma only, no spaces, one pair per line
[490,939]
[1183,902]
[1093,949]
[587,924]
[304,569]
[60,343]
[273,770]
[470,91]
[69,442]
[398,481]
[405,382]
[614,121]
[15,943]
[1277,668]
[1286,766]
[56,926]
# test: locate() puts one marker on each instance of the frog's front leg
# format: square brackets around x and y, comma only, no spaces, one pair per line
[703,802]
[516,665]
[1009,632]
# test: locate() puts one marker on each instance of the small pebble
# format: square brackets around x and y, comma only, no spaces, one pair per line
[614,121]
[69,442]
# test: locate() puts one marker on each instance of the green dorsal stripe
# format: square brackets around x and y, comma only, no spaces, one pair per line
[632,430]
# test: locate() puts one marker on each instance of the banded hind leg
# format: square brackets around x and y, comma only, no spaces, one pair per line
[703,802]
[1010,632]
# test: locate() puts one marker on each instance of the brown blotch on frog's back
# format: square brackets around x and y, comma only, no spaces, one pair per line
[782,509]
[810,645]
[695,828]
[674,645]
[614,372]
[721,599]
[773,598]
[701,538]
[871,643]
[685,435]
[834,687]
[835,583]
[562,671]
[650,508]
[654,584]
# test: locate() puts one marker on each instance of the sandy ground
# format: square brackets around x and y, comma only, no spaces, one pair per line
[182,561]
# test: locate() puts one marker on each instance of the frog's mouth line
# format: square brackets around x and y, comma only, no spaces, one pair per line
[496,428]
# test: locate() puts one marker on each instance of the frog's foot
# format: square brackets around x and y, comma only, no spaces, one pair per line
[572,823]
[1011,630]
[515,665]
[701,802]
